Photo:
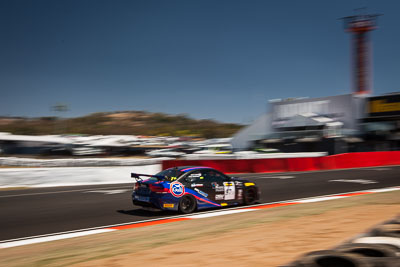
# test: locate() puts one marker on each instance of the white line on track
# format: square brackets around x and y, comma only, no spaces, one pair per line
[282,177]
[108,192]
[104,226]
[380,169]
[52,238]
[67,191]
[356,181]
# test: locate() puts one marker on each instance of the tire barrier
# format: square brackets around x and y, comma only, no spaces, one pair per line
[380,247]
[391,230]
[341,161]
[395,221]
[392,241]
[370,250]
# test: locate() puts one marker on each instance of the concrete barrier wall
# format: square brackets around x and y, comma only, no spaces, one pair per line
[341,161]
[71,176]
[78,162]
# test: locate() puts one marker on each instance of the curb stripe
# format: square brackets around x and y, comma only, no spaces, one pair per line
[105,229]
[224,212]
[354,194]
[144,224]
[268,206]
[319,199]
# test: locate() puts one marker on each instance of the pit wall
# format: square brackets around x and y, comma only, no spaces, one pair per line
[340,161]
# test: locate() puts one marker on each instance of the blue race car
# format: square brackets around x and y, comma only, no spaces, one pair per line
[186,189]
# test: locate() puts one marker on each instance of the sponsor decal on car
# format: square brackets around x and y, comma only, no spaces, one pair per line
[168,205]
[201,192]
[219,189]
[224,204]
[249,184]
[240,193]
[195,175]
[238,184]
[219,197]
[216,187]
[177,189]
[196,185]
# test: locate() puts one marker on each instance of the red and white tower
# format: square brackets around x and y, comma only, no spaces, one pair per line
[359,26]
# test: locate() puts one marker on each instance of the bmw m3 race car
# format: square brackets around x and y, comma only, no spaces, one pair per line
[187,189]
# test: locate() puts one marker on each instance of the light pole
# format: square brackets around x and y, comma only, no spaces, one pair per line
[59,108]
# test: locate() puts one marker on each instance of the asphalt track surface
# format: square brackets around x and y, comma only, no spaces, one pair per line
[38,211]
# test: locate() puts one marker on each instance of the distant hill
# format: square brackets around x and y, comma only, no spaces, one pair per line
[123,122]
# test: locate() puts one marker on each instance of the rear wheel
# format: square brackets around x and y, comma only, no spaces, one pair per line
[187,204]
[249,195]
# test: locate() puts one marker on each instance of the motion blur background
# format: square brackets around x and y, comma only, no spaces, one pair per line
[272,76]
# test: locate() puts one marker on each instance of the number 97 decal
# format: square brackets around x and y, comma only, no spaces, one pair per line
[229,190]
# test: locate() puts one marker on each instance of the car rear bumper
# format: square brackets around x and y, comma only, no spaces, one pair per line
[145,205]
[157,201]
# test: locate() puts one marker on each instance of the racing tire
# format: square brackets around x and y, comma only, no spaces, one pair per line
[187,204]
[249,195]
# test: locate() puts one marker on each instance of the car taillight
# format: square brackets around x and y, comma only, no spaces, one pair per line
[136,186]
[158,189]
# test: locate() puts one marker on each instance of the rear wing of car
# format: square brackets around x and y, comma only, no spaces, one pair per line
[138,175]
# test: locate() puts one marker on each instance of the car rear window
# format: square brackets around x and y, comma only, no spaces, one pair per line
[170,173]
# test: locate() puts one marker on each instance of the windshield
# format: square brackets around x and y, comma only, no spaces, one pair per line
[170,173]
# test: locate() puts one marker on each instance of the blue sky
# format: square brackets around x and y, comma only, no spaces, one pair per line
[219,59]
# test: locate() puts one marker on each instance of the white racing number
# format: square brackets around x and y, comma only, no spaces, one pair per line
[229,190]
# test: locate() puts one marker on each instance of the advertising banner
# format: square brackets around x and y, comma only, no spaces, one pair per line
[342,108]
[379,106]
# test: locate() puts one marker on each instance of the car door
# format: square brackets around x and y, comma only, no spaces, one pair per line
[220,186]
[211,184]
[196,181]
